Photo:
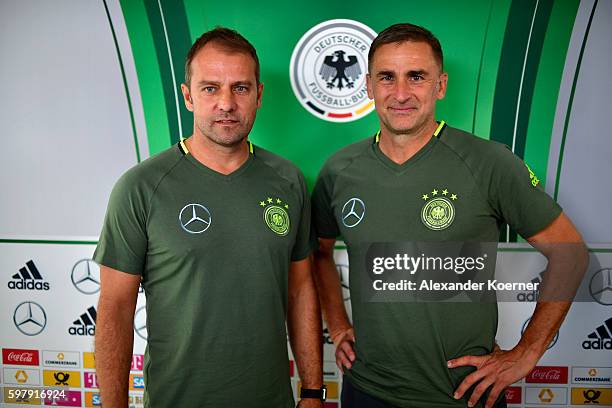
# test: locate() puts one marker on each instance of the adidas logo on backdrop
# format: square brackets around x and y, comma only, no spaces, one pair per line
[28,278]
[601,338]
[85,325]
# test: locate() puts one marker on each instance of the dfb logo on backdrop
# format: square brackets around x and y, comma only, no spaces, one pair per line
[28,277]
[328,70]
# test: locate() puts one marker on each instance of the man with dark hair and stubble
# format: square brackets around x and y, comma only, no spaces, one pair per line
[218,232]
[420,181]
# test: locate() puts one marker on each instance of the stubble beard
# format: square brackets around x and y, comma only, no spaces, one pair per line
[223,137]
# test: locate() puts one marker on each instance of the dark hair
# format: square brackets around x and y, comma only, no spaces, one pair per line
[225,38]
[402,32]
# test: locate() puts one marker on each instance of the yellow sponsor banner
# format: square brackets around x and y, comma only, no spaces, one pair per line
[89,360]
[60,378]
[332,389]
[92,399]
[22,395]
[592,396]
[137,382]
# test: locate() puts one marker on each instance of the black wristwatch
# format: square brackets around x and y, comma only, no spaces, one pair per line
[319,393]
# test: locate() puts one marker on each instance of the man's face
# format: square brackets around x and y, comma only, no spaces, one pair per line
[223,94]
[405,82]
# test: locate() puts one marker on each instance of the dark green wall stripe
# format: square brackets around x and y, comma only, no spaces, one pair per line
[547,86]
[484,47]
[524,36]
[510,74]
[570,103]
[171,92]
[179,37]
[534,53]
[125,85]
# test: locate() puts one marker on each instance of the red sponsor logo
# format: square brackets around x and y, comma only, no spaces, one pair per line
[20,357]
[513,395]
[137,362]
[548,375]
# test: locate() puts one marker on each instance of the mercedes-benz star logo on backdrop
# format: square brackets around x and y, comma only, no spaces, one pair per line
[353,212]
[195,218]
[328,70]
[85,276]
[30,318]
[600,286]
[552,342]
[140,322]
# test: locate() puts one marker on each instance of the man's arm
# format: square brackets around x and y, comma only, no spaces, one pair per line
[304,324]
[562,244]
[330,295]
[115,334]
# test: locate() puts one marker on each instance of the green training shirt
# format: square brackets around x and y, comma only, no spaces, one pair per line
[214,253]
[457,188]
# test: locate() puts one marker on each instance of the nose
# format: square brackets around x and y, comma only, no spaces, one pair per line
[226,101]
[403,91]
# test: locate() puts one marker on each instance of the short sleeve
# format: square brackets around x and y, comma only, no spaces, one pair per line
[324,222]
[123,241]
[305,241]
[518,196]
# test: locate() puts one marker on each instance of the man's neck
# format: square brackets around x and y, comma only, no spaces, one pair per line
[222,159]
[401,147]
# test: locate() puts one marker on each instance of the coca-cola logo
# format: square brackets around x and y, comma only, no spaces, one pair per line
[548,375]
[20,357]
[513,395]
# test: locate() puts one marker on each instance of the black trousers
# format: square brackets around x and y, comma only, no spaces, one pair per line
[351,397]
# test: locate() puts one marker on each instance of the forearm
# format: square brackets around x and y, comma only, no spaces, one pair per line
[304,324]
[113,351]
[330,293]
[567,263]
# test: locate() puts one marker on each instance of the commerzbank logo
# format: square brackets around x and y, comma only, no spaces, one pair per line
[353,212]
[195,218]
[328,70]
[438,211]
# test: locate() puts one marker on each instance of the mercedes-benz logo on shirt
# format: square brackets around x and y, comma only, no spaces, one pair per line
[30,318]
[140,322]
[600,286]
[195,218]
[353,212]
[85,276]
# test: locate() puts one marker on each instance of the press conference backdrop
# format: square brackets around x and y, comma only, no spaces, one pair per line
[91,88]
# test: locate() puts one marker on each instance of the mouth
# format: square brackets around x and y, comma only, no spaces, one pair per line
[226,122]
[402,109]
